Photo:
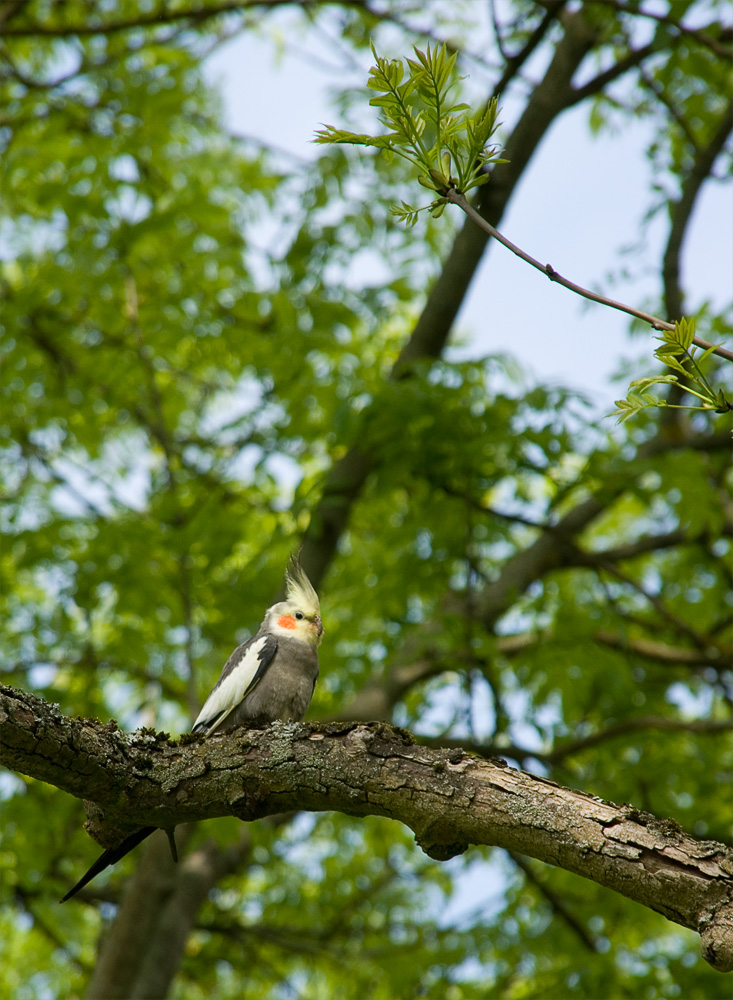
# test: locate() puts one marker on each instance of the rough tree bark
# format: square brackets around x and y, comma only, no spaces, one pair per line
[448,798]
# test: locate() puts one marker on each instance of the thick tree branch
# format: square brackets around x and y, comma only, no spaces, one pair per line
[448,798]
[181,890]
[140,916]
[682,209]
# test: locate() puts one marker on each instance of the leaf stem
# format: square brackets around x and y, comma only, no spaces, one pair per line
[700,376]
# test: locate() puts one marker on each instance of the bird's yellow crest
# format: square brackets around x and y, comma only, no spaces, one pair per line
[299,588]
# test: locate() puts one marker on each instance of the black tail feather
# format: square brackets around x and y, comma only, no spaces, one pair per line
[111,857]
[171,835]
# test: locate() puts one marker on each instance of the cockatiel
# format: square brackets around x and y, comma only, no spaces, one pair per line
[270,677]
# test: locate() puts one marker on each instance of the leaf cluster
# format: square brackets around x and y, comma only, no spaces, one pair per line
[446,141]
[678,353]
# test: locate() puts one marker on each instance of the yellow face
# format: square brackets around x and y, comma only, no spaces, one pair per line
[298,624]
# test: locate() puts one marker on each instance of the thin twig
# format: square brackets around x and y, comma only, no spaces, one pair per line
[661,95]
[703,727]
[556,902]
[158,426]
[633,58]
[701,641]
[556,755]
[699,34]
[497,32]
[192,702]
[169,13]
[514,63]
[714,656]
[456,198]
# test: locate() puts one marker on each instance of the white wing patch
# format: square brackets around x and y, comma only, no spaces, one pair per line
[231,690]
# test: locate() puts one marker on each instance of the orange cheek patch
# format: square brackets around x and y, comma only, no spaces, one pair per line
[285,621]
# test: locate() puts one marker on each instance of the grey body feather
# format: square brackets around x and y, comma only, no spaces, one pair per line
[267,679]
[284,690]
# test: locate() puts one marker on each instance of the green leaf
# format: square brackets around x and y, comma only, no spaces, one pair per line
[706,353]
[685,332]
[643,383]
[671,362]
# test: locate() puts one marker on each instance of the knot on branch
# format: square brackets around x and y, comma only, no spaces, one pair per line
[716,937]
[106,832]
[439,842]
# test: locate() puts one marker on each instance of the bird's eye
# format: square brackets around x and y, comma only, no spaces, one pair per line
[299,615]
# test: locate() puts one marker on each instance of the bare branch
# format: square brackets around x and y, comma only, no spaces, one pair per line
[661,95]
[456,198]
[164,14]
[700,640]
[700,35]
[8,10]
[647,543]
[633,58]
[514,63]
[713,655]
[707,727]
[498,749]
